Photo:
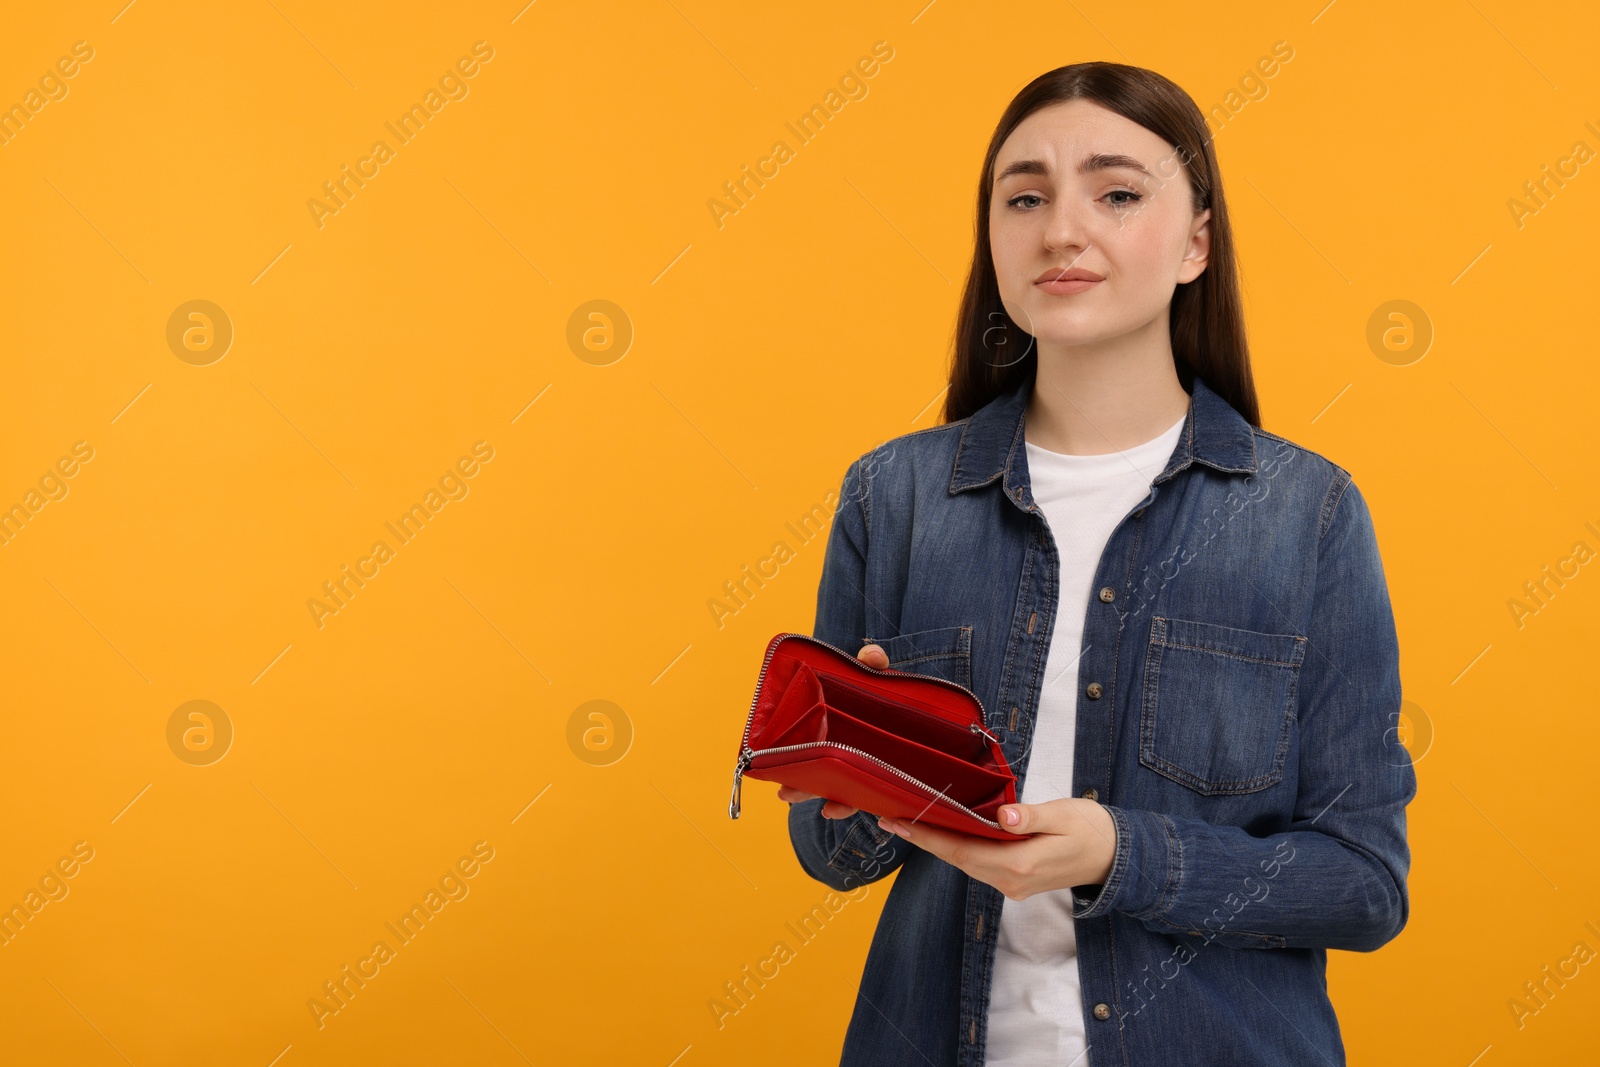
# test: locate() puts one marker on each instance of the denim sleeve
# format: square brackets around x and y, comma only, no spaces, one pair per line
[1337,877]
[845,853]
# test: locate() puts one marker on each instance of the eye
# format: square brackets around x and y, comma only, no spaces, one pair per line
[1012,203]
[1132,197]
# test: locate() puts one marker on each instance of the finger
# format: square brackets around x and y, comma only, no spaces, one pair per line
[1018,818]
[1063,815]
[873,656]
[930,838]
[831,809]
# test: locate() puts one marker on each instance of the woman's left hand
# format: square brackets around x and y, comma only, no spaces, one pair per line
[1073,843]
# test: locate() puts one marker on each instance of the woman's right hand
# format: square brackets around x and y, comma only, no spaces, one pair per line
[872,656]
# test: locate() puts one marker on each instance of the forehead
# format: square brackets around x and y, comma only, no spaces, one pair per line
[1063,135]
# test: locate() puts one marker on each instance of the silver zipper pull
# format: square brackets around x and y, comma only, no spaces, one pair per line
[738,778]
[975,728]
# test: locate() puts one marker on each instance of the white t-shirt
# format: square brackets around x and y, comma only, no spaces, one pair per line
[1035,1009]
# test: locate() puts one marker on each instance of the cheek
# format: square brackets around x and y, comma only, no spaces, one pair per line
[1143,251]
[1013,248]
[1138,240]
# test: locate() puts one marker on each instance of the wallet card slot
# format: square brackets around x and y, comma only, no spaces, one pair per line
[807,726]
[967,782]
[802,692]
[814,768]
[905,722]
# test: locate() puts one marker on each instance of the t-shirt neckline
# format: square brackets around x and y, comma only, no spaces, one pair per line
[1157,448]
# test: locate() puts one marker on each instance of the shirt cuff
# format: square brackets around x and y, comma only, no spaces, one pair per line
[1144,871]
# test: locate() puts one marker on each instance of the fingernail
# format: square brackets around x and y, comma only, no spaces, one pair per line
[1012,816]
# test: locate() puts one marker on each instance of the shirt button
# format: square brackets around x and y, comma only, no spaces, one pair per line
[1091,793]
[1102,1011]
[1094,690]
[1108,594]
[1139,514]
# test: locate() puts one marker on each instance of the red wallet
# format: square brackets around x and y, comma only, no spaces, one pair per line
[896,744]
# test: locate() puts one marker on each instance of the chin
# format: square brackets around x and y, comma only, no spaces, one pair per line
[1060,328]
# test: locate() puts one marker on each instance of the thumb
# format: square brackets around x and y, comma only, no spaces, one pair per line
[1029,818]
[873,656]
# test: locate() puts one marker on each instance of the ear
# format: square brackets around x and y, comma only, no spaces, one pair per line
[1198,253]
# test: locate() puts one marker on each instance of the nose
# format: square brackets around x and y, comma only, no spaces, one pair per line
[1066,231]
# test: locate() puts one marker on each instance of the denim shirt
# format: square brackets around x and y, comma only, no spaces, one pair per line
[1237,716]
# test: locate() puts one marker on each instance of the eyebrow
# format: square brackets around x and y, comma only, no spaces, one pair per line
[1097,161]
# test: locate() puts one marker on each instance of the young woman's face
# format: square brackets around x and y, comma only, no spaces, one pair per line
[1092,191]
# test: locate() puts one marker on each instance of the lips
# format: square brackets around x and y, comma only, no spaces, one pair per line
[1062,274]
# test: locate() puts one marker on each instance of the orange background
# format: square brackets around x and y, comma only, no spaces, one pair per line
[444,704]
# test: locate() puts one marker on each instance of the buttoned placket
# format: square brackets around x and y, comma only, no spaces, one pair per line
[1027,652]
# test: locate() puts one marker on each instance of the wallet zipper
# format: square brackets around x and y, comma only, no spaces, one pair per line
[748,755]
[745,753]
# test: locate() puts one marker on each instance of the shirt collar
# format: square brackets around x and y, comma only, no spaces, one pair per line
[992,440]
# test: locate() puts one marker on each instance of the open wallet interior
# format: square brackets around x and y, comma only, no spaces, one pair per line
[888,742]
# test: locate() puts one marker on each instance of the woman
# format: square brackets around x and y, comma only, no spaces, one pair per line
[1177,623]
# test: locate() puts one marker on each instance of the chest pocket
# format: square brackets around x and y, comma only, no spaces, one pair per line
[944,652]
[1218,705]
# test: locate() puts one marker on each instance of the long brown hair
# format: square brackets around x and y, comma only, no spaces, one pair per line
[1206,318]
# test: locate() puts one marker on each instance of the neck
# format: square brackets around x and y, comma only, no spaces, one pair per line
[1093,399]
